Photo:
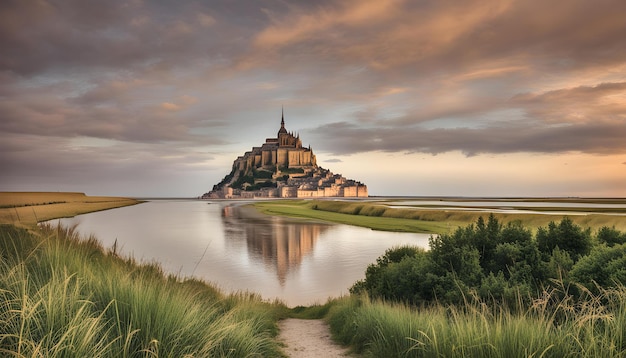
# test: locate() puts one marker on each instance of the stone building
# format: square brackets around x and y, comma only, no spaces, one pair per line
[282,168]
[284,151]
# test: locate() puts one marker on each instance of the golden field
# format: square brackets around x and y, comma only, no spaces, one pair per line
[29,208]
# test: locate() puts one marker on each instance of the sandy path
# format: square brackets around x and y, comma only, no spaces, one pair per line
[308,338]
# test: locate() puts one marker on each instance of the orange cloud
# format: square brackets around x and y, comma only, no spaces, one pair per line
[181,103]
[168,106]
[206,20]
[300,26]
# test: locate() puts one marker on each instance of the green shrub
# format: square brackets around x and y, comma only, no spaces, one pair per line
[610,236]
[262,174]
[567,236]
[603,267]
[495,261]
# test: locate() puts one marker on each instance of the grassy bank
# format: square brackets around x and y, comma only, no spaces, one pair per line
[317,210]
[552,327]
[382,217]
[61,296]
[28,208]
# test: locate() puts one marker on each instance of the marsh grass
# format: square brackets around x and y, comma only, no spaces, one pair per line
[309,210]
[62,295]
[378,216]
[555,325]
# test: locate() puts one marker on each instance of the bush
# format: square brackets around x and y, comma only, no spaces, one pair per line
[286,170]
[495,260]
[262,174]
[258,186]
[238,184]
[610,236]
[604,267]
[567,236]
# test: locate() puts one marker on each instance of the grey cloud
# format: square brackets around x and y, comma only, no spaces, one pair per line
[585,119]
[123,109]
[99,169]
[419,38]
[346,138]
[44,35]
[577,94]
[585,102]
[333,161]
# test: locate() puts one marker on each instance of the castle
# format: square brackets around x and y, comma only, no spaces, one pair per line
[283,168]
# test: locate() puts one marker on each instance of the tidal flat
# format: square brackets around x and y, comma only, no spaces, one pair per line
[442,215]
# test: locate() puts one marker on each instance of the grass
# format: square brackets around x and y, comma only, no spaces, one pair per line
[552,327]
[65,296]
[306,210]
[29,208]
[381,217]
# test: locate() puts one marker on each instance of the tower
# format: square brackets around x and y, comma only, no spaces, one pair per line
[283,135]
[282,123]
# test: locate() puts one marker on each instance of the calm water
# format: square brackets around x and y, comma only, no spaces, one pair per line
[298,262]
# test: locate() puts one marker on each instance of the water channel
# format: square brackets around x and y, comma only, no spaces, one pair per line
[298,262]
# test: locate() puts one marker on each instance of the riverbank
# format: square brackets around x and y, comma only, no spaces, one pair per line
[380,216]
[28,208]
[64,295]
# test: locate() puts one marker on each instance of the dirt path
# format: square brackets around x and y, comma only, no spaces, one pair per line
[309,338]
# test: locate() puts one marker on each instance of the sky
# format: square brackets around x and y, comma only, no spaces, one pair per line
[412,98]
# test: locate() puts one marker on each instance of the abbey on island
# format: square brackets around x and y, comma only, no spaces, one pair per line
[283,168]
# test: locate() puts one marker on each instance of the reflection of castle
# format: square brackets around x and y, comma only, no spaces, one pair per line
[275,241]
[282,167]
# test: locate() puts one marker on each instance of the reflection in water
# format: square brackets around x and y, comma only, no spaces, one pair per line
[299,262]
[276,242]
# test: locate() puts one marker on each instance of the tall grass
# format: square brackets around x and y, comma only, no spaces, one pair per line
[62,296]
[553,326]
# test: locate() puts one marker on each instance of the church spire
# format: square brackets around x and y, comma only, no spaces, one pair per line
[282,122]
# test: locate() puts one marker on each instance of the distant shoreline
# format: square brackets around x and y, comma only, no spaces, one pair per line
[29,208]
[555,199]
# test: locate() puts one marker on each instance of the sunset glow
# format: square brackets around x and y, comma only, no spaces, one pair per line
[458,98]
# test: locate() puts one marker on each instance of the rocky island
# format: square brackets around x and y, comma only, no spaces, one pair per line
[283,168]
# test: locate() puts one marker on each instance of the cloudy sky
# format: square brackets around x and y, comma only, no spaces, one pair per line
[416,97]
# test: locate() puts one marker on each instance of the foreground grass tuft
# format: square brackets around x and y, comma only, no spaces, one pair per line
[551,327]
[64,296]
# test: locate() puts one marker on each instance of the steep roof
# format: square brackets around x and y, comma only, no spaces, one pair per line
[282,123]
